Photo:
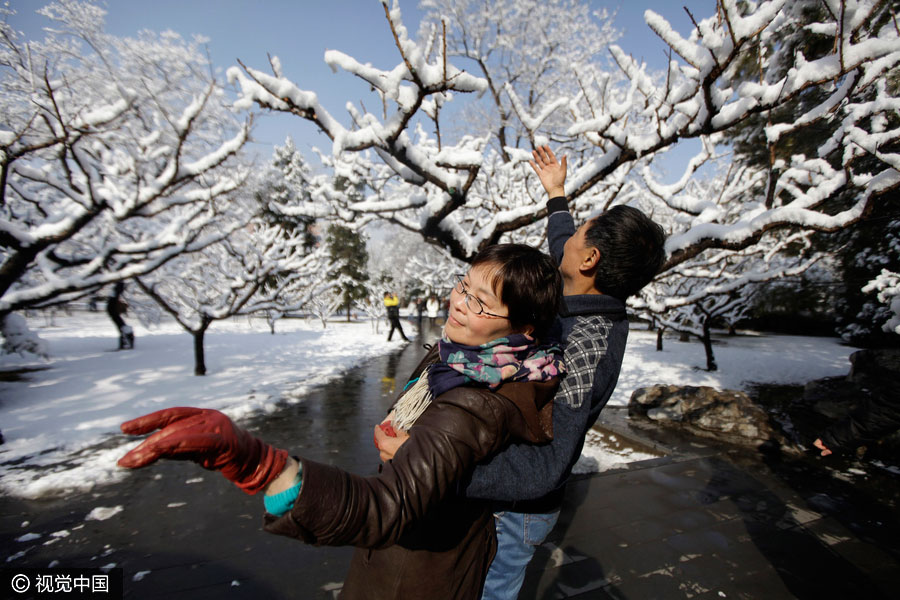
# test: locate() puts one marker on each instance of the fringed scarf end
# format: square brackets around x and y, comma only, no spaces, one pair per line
[412,404]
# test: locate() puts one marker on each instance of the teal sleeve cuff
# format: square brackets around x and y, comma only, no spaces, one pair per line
[280,503]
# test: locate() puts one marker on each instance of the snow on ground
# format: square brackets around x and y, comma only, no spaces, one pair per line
[57,417]
[603,452]
[61,424]
[744,359]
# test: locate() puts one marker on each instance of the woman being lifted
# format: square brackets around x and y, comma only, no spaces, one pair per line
[487,382]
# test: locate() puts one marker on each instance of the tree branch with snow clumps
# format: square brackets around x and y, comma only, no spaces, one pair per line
[719,286]
[706,97]
[462,194]
[108,168]
[887,284]
[541,86]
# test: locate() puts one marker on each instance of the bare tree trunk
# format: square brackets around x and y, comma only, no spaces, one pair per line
[659,339]
[199,354]
[707,346]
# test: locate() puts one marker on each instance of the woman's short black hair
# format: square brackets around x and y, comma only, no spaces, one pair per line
[527,281]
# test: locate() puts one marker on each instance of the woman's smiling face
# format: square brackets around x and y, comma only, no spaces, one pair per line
[466,327]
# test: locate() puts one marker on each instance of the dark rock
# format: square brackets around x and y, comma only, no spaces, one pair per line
[871,371]
[872,366]
[832,397]
[733,417]
[728,416]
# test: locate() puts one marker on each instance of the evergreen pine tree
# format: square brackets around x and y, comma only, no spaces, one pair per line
[347,248]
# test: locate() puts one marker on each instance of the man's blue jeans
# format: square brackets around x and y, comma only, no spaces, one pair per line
[517,536]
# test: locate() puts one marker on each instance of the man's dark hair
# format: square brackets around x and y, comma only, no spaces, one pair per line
[632,250]
[527,281]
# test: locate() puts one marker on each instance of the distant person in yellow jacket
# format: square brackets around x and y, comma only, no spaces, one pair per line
[392,302]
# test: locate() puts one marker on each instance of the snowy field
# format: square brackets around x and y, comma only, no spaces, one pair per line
[61,425]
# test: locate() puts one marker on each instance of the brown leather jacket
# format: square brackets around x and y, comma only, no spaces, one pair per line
[417,537]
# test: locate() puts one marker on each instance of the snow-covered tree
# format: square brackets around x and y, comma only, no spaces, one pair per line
[468,192]
[718,286]
[389,249]
[461,194]
[372,303]
[887,286]
[868,251]
[115,155]
[432,271]
[284,200]
[19,339]
[861,249]
[525,51]
[698,318]
[259,268]
[706,96]
[286,197]
[325,303]
[399,259]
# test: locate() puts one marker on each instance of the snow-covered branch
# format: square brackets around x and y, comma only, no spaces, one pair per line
[887,285]
[539,80]
[108,168]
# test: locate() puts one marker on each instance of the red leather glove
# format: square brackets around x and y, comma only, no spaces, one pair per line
[208,438]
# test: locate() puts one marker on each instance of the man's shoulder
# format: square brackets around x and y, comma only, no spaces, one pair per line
[587,341]
[596,324]
[585,327]
[593,344]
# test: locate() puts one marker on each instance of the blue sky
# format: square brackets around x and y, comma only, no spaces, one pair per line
[299,32]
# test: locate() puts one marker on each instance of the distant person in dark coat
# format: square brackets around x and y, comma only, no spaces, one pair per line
[420,308]
[115,308]
[392,302]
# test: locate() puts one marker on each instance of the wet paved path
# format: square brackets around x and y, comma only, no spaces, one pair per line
[699,523]
[719,527]
[196,535]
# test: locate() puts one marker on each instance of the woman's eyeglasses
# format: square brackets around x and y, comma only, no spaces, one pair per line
[472,302]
